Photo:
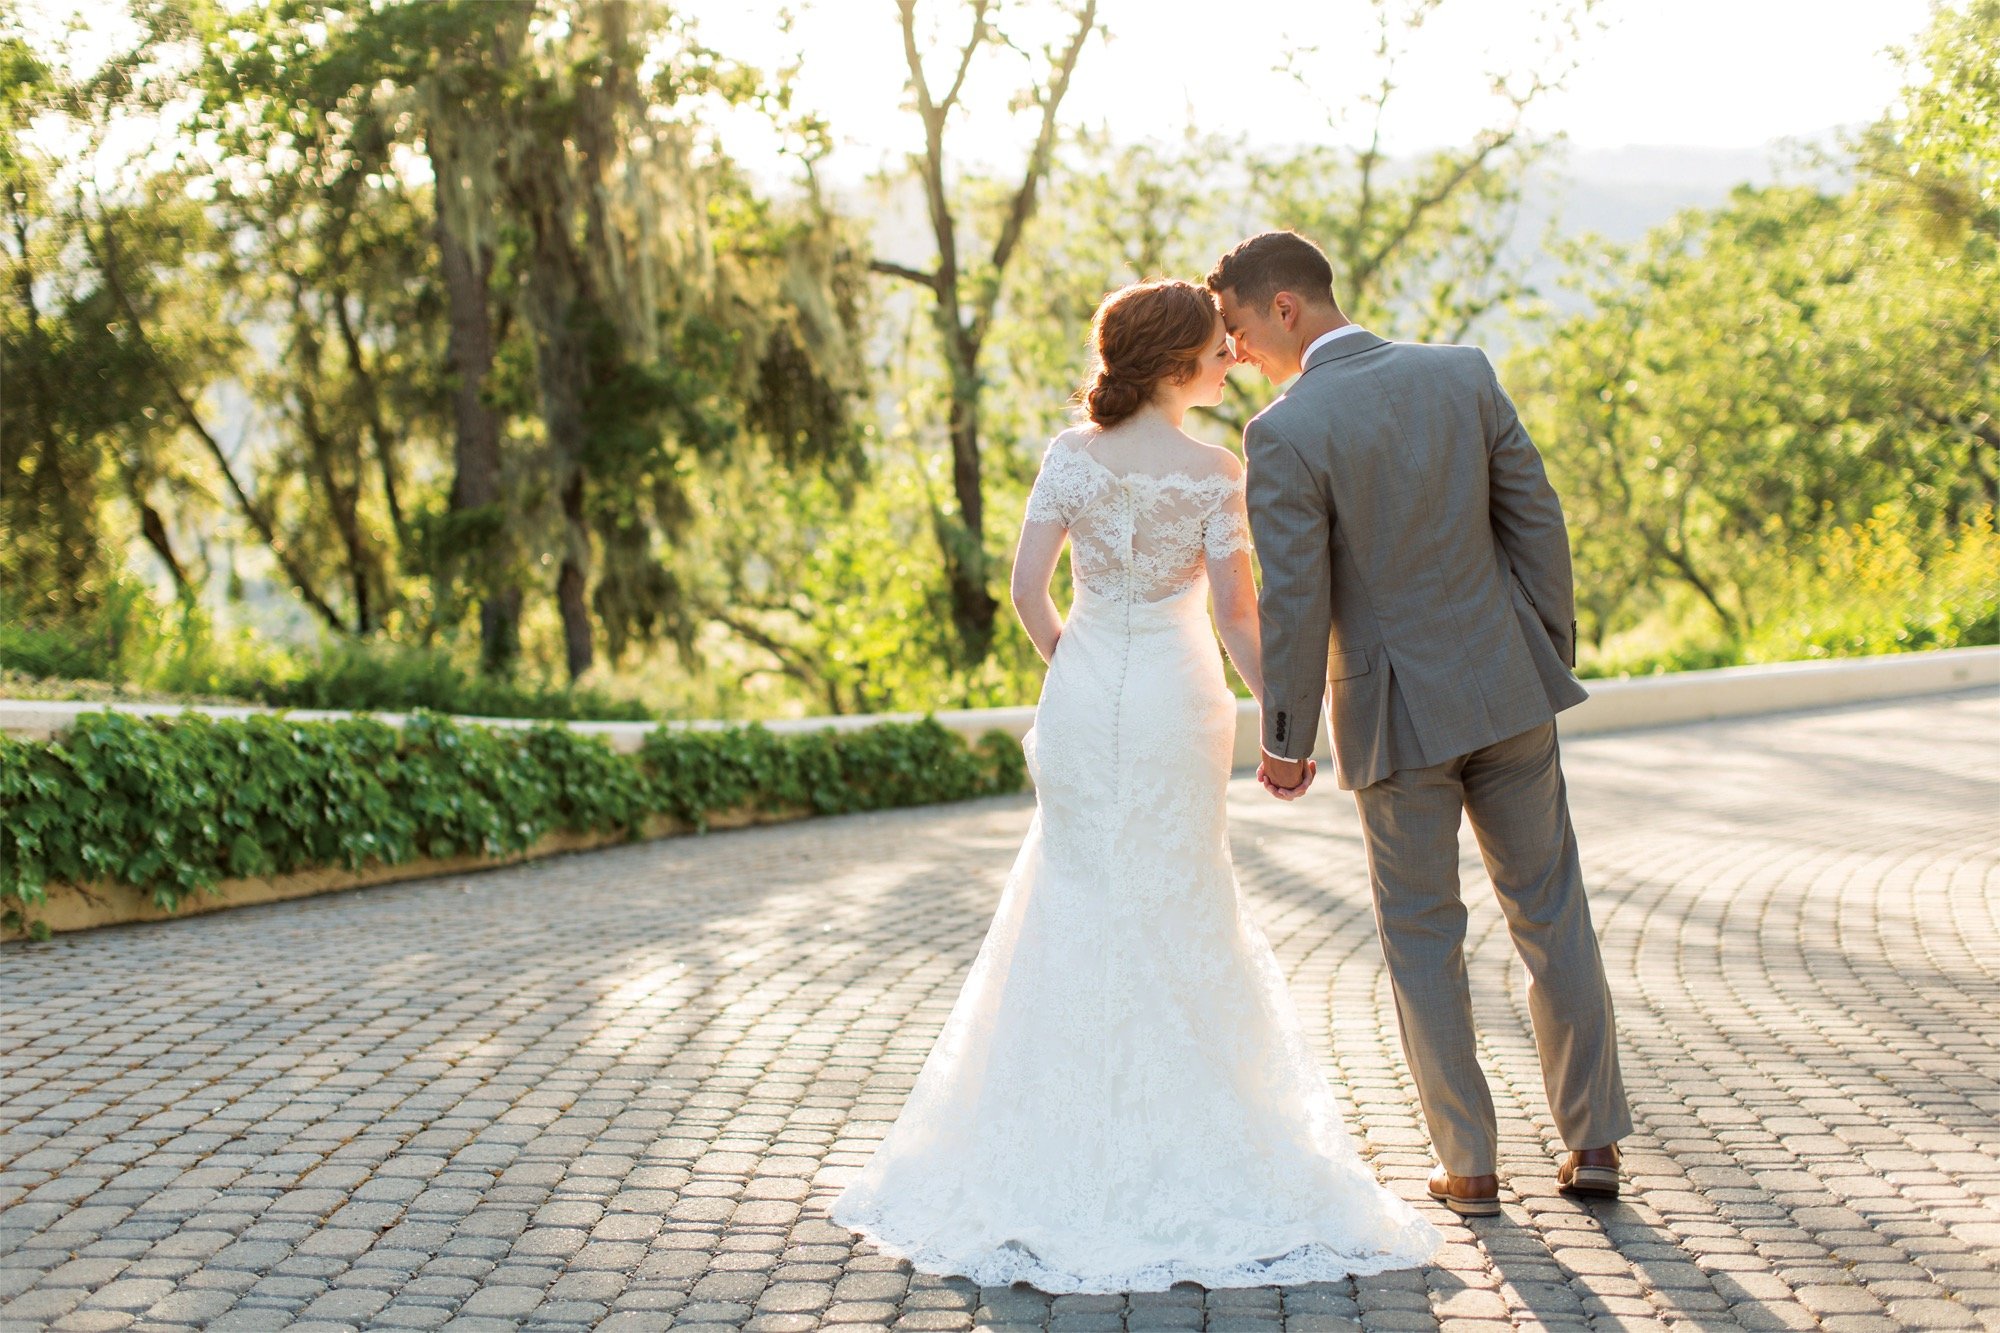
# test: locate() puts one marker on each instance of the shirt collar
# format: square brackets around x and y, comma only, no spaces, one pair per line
[1326,338]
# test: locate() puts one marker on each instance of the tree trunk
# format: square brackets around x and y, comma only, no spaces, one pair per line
[154,528]
[558,308]
[573,578]
[1684,568]
[476,481]
[499,630]
[972,603]
[343,499]
[371,405]
[346,521]
[59,490]
[963,333]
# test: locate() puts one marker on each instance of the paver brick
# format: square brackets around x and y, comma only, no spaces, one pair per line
[619,1090]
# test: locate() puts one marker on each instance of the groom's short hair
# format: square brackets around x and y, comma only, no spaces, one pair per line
[1272,262]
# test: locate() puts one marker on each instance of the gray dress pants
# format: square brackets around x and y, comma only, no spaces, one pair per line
[1513,792]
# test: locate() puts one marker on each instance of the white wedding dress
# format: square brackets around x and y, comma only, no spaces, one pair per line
[1122,1098]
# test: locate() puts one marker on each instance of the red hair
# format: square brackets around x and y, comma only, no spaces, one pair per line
[1143,335]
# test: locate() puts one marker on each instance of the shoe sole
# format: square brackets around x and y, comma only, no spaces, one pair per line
[1600,1182]
[1469,1207]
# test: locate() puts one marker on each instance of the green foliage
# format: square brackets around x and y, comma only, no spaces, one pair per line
[1704,655]
[115,640]
[129,641]
[682,470]
[418,438]
[1754,378]
[172,805]
[1863,589]
[356,676]
[1945,143]
[42,651]
[1878,587]
[843,592]
[88,429]
[1761,382]
[880,767]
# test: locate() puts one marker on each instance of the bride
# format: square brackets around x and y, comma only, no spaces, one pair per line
[1122,1098]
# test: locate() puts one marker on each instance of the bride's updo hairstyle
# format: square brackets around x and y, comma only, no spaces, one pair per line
[1143,335]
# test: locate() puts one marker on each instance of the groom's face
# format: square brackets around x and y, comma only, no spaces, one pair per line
[1264,337]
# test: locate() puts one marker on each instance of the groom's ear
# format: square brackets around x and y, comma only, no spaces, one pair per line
[1286,307]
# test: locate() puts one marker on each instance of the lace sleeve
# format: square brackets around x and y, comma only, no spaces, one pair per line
[1054,498]
[1226,530]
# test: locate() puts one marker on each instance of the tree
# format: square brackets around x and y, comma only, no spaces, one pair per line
[1937,166]
[308,239]
[1755,376]
[461,141]
[490,292]
[964,291]
[90,423]
[1945,142]
[672,311]
[51,461]
[1794,364]
[1420,244]
[1173,212]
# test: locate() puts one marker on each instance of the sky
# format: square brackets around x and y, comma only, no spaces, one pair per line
[1694,73]
[1683,73]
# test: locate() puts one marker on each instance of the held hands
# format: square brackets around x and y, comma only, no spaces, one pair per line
[1286,779]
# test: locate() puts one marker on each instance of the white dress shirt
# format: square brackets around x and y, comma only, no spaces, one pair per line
[1326,338]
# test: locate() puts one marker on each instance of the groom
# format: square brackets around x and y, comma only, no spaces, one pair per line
[1417,575]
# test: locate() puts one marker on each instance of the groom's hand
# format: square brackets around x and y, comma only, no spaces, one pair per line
[1286,779]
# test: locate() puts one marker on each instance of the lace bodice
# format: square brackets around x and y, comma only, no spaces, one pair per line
[1135,536]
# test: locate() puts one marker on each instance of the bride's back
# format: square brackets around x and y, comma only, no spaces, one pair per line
[1151,446]
[1143,505]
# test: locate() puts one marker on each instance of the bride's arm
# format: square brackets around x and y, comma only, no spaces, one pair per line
[1034,565]
[1236,617]
[1226,542]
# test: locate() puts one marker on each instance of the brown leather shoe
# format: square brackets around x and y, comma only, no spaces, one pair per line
[1468,1196]
[1590,1171]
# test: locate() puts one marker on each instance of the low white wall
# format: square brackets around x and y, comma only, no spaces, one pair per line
[1614,705]
[36,719]
[1699,696]
[1702,696]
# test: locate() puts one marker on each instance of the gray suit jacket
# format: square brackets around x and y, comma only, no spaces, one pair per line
[1416,566]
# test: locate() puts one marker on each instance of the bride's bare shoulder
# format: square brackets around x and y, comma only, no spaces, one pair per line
[1214,460]
[1073,438]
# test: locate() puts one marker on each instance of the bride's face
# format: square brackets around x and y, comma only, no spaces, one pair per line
[1215,366]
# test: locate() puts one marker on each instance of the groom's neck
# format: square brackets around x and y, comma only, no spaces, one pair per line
[1315,324]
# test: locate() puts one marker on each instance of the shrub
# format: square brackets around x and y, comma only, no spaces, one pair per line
[104,644]
[1875,587]
[171,805]
[1697,656]
[130,642]
[361,677]
[1855,591]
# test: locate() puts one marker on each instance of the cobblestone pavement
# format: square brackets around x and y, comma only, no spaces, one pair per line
[620,1089]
